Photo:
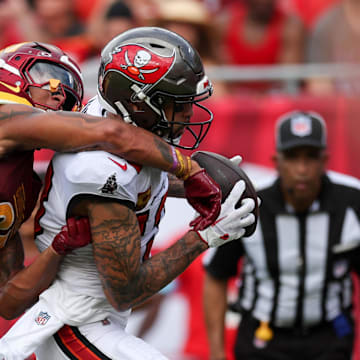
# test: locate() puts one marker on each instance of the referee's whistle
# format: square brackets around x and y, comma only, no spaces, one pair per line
[263,332]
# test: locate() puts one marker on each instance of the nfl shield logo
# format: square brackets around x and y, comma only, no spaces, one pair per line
[42,318]
[301,126]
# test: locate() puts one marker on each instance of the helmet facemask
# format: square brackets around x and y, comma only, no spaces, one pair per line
[167,126]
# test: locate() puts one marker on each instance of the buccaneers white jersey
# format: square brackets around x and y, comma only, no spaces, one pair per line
[101,174]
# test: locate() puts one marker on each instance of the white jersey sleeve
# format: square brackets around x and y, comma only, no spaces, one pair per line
[85,173]
[98,173]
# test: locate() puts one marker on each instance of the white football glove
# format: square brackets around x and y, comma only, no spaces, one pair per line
[230,224]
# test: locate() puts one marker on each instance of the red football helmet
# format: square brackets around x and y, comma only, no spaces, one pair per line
[41,65]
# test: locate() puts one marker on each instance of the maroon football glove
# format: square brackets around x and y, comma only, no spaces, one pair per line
[204,195]
[74,235]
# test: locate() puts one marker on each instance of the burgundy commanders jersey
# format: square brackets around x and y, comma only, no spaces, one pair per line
[19,185]
[19,190]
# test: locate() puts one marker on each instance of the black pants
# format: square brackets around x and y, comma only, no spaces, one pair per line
[319,343]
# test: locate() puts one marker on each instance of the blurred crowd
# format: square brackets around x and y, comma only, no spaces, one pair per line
[225,32]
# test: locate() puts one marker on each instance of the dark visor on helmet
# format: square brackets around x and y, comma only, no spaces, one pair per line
[40,74]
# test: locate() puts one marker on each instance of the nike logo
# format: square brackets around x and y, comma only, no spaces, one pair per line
[124,167]
[15,89]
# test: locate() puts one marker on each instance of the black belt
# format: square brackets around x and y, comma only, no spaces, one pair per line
[300,330]
[290,330]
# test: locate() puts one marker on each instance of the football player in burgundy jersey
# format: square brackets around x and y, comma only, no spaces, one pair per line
[37,79]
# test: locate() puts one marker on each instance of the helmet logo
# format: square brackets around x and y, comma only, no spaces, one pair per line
[15,89]
[142,58]
[301,126]
[140,63]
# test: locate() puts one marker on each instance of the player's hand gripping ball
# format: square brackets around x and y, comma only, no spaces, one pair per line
[227,173]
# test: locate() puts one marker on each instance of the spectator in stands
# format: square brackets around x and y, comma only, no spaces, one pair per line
[56,19]
[259,32]
[309,11]
[109,20]
[192,20]
[50,21]
[334,39]
[9,33]
[85,8]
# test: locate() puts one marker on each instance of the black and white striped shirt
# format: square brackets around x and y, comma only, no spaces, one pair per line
[296,269]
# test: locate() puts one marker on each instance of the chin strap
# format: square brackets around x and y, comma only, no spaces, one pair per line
[140,95]
[124,113]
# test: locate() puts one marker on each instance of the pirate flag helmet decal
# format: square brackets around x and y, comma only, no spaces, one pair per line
[152,68]
[140,64]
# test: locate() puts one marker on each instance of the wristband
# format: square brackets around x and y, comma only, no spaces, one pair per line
[175,161]
[181,164]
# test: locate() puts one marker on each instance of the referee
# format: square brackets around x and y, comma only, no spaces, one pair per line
[296,290]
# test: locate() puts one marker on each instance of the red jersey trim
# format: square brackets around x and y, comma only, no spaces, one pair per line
[137,167]
[76,346]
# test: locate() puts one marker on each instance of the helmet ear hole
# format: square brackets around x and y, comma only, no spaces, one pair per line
[159,100]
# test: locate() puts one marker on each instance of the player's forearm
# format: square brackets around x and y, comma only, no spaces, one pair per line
[31,129]
[155,273]
[176,187]
[215,304]
[11,259]
[142,147]
[161,269]
[23,289]
[64,131]
[60,131]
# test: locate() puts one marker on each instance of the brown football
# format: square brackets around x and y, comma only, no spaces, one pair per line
[227,174]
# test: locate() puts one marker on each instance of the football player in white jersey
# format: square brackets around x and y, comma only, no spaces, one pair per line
[153,78]
[35,77]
